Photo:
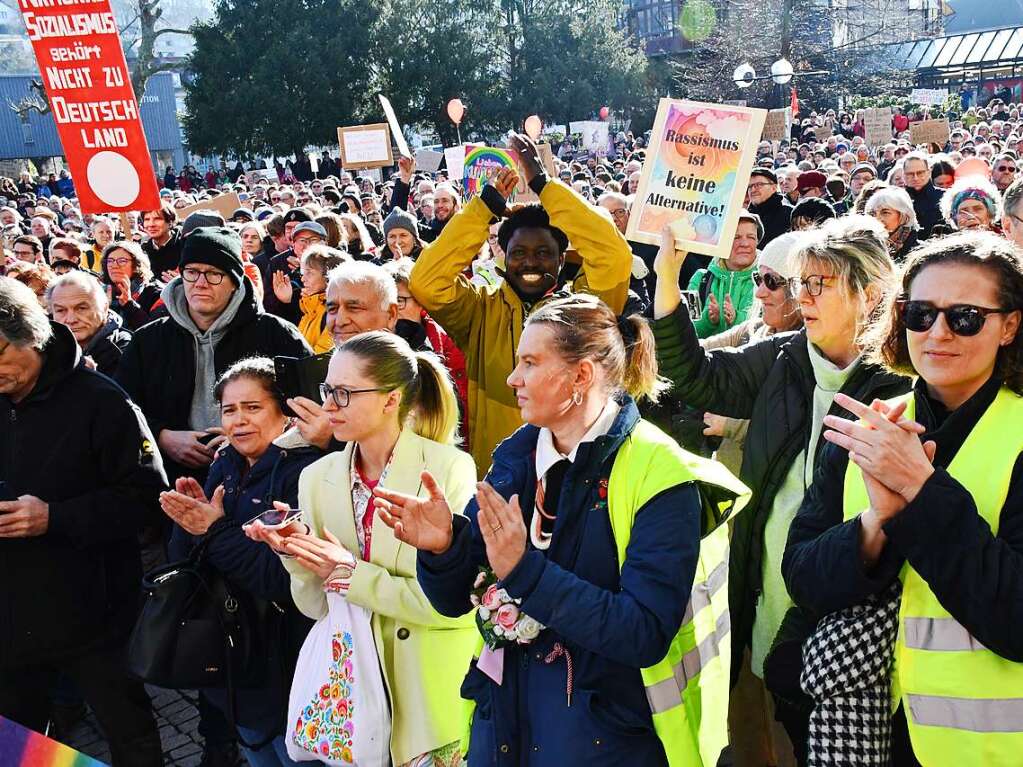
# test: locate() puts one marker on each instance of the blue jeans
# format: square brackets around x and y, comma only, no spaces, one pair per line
[273,754]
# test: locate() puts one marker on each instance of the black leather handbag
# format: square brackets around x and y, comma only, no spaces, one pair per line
[197,629]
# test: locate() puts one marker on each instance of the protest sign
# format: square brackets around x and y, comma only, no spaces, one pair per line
[429,160]
[253,177]
[594,134]
[877,124]
[482,162]
[224,204]
[695,174]
[929,131]
[392,120]
[79,52]
[778,125]
[314,162]
[454,160]
[365,146]
[931,96]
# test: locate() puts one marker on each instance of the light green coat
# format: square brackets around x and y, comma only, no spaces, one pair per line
[424,656]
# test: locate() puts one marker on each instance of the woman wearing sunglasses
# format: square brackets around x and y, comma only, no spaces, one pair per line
[775,310]
[396,410]
[911,539]
[784,384]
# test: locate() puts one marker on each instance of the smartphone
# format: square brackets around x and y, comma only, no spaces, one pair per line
[301,377]
[206,439]
[274,519]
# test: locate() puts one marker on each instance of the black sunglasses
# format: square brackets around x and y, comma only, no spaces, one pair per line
[963,319]
[771,281]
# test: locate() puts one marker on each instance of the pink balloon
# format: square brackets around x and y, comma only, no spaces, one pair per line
[604,112]
[534,126]
[456,110]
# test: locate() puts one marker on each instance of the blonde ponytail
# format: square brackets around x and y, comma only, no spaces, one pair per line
[428,402]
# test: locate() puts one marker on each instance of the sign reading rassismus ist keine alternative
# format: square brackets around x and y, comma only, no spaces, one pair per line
[81,61]
[695,174]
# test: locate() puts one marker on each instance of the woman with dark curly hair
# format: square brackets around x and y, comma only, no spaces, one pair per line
[909,545]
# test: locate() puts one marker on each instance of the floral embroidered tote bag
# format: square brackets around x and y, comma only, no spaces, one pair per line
[338,712]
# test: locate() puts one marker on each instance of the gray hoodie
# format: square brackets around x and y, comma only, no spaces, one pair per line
[204,412]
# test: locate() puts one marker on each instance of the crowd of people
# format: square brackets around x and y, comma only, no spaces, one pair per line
[591,501]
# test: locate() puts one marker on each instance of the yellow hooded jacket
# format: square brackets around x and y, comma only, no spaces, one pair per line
[486,322]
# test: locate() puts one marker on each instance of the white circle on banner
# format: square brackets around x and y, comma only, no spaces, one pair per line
[113,179]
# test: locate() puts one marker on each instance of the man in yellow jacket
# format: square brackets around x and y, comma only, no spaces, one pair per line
[486,322]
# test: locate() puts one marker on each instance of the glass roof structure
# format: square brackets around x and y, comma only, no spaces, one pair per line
[991,49]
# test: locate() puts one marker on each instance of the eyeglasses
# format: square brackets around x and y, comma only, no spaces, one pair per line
[758,185]
[127,262]
[963,319]
[340,394]
[403,301]
[814,283]
[307,240]
[619,212]
[770,281]
[212,277]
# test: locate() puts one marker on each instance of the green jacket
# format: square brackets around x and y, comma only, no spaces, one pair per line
[723,282]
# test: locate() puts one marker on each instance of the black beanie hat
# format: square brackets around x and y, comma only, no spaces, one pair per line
[219,247]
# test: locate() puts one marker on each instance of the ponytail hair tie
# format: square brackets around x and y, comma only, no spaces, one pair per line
[628,330]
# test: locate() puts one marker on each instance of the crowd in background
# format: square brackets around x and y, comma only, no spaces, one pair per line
[816,559]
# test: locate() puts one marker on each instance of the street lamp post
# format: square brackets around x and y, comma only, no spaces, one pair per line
[782,73]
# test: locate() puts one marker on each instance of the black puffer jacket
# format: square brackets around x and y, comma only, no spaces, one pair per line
[771,383]
[106,347]
[158,367]
[77,443]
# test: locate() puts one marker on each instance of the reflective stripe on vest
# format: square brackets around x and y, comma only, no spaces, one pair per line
[704,592]
[963,702]
[665,695]
[687,690]
[973,714]
[938,635]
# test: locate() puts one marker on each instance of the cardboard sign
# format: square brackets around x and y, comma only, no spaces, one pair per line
[79,52]
[365,146]
[931,96]
[877,124]
[695,175]
[929,131]
[224,204]
[778,125]
[429,160]
[392,120]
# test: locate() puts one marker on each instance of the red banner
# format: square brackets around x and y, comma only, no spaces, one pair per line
[78,48]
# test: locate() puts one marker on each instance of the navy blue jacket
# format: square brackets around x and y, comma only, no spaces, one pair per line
[612,624]
[255,567]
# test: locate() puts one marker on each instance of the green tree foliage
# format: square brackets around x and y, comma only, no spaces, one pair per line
[261,88]
[271,76]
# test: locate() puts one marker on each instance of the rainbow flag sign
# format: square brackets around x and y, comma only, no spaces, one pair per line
[21,747]
[695,175]
[482,162]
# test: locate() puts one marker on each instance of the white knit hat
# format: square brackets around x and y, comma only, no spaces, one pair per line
[775,254]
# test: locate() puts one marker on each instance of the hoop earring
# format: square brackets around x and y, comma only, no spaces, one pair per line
[577,397]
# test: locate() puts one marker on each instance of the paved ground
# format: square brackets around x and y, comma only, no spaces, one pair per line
[177,718]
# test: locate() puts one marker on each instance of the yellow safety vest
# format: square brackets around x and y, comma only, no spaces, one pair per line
[963,702]
[688,689]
